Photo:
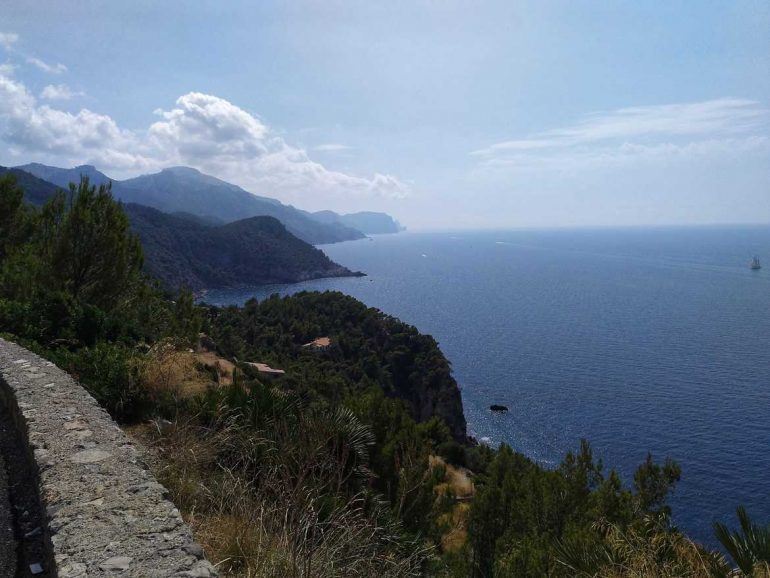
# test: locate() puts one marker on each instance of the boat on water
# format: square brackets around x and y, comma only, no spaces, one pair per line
[755,266]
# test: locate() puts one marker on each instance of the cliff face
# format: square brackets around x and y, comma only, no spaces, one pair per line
[422,377]
[367,222]
[440,398]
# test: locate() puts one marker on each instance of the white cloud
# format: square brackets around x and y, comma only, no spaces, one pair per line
[44,130]
[57,68]
[632,136]
[203,127]
[216,136]
[8,39]
[58,92]
[664,164]
[201,130]
[720,116]
[331,147]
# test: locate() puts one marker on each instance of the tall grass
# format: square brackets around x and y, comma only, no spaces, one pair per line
[641,551]
[288,501]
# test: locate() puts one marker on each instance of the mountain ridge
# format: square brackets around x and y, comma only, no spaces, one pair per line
[36,190]
[184,189]
[368,222]
[187,250]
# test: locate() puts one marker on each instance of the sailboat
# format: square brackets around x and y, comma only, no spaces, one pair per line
[755,266]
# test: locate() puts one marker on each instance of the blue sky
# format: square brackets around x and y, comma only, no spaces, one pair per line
[446,114]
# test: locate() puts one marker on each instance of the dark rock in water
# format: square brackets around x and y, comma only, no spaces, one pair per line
[498,408]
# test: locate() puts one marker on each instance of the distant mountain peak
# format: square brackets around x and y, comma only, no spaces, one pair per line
[182,170]
[63,177]
[369,222]
[185,189]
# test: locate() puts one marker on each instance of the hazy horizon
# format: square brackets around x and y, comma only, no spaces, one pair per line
[504,116]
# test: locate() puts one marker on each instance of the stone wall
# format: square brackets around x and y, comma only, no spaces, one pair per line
[106,515]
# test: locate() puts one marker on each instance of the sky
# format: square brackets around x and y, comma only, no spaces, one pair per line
[445,114]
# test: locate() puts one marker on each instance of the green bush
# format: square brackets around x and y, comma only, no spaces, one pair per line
[110,372]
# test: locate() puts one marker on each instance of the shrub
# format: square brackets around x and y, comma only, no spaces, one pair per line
[111,373]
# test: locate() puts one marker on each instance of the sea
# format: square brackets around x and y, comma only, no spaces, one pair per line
[638,340]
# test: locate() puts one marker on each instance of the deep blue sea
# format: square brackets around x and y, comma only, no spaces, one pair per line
[636,339]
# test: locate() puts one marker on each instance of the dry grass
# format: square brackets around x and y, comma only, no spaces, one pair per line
[456,536]
[267,530]
[457,483]
[457,479]
[272,506]
[222,366]
[169,371]
[646,552]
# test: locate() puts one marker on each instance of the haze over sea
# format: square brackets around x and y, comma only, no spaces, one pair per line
[636,339]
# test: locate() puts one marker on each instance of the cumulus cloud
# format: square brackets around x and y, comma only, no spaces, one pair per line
[200,130]
[41,129]
[56,68]
[58,92]
[217,136]
[203,127]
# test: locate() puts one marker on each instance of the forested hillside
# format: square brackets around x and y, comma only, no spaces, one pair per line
[353,461]
[36,191]
[369,349]
[184,252]
[187,250]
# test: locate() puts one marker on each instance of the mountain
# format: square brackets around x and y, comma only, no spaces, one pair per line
[184,189]
[63,177]
[36,191]
[182,251]
[367,222]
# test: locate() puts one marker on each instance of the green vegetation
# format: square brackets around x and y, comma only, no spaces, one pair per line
[181,251]
[749,548]
[36,190]
[355,461]
[369,350]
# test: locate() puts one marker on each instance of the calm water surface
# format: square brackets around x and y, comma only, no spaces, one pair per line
[638,340]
